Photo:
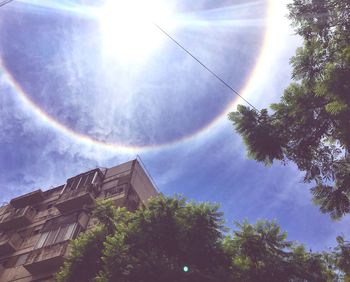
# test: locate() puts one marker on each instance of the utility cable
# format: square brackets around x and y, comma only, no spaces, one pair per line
[3,3]
[190,54]
[203,65]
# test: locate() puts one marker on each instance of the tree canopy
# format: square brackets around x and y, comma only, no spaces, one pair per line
[341,256]
[178,241]
[310,126]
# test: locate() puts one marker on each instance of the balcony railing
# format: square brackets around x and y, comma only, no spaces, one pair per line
[13,218]
[46,259]
[28,199]
[76,199]
[9,243]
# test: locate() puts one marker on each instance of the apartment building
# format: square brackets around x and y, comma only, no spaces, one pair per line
[35,228]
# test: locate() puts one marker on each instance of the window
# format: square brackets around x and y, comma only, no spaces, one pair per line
[75,183]
[81,181]
[51,237]
[57,235]
[36,230]
[4,263]
[70,232]
[41,240]
[114,191]
[21,259]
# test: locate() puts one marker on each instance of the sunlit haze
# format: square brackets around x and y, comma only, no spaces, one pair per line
[127,28]
[85,85]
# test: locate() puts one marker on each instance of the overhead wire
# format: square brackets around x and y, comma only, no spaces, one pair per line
[3,3]
[204,65]
[190,54]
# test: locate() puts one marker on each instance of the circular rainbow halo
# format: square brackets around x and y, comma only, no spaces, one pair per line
[128,28]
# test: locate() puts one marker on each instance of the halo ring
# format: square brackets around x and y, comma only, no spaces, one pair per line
[114,146]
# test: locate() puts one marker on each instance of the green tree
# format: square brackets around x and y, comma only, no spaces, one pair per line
[178,241]
[162,239]
[261,252]
[342,257]
[85,260]
[310,126]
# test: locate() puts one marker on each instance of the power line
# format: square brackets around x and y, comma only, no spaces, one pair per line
[3,3]
[204,66]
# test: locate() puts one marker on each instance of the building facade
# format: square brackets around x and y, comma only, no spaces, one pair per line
[36,228]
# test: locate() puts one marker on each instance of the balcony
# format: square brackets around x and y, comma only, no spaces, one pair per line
[77,199]
[9,243]
[28,199]
[13,218]
[46,259]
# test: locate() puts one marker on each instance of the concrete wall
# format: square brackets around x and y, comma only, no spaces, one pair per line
[119,169]
[142,184]
[125,176]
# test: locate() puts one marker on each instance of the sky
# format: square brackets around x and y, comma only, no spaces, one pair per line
[87,84]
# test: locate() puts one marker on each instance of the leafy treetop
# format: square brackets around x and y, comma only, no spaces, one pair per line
[310,126]
[178,241]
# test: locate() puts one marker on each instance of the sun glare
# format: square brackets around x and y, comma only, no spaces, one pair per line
[127,28]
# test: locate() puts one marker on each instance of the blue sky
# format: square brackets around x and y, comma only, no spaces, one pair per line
[163,106]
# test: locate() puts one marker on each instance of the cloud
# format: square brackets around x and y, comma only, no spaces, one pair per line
[165,98]
[33,155]
[151,102]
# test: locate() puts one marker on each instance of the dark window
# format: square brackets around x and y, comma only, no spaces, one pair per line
[51,237]
[36,231]
[75,183]
[114,191]
[90,178]
[21,259]
[41,241]
[60,234]
[4,263]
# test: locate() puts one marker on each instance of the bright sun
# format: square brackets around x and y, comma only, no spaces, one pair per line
[128,30]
